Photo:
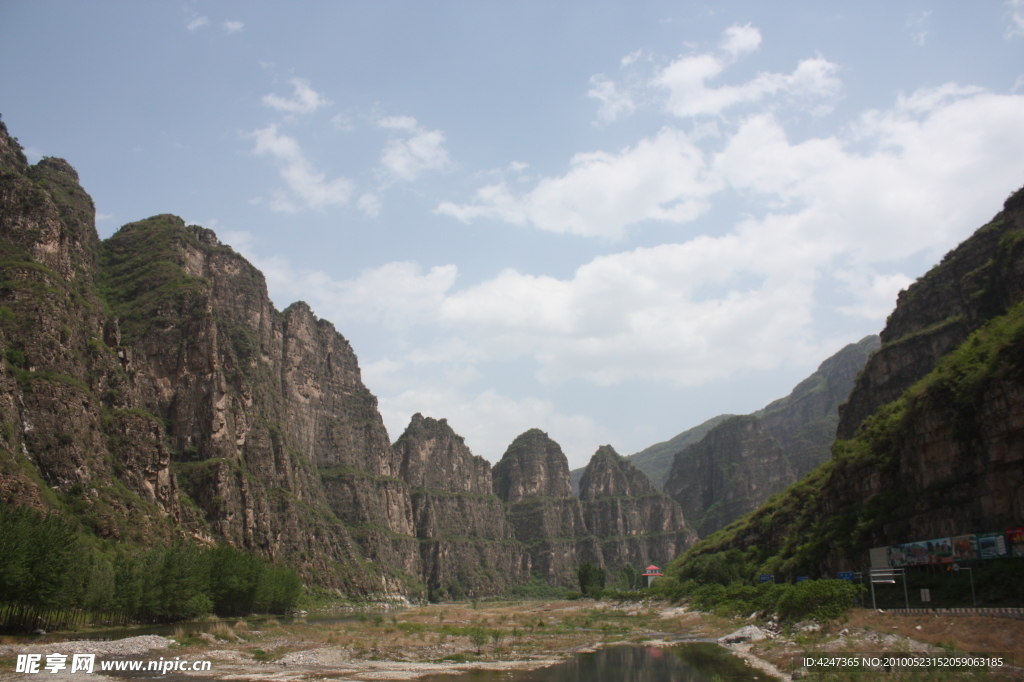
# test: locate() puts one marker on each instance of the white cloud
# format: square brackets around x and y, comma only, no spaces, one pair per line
[631,57]
[614,102]
[683,86]
[490,421]
[1015,10]
[739,40]
[304,99]
[685,81]
[406,158]
[661,178]
[233,26]
[305,183]
[197,23]
[369,204]
[917,24]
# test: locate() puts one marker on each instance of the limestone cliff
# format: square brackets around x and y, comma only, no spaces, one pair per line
[731,471]
[946,456]
[72,429]
[975,282]
[466,544]
[619,517]
[533,465]
[804,422]
[635,523]
[532,479]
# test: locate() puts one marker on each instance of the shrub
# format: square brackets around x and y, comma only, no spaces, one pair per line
[818,599]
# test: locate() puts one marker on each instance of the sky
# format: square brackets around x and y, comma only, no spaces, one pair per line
[608,220]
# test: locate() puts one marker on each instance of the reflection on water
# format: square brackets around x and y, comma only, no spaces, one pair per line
[693,662]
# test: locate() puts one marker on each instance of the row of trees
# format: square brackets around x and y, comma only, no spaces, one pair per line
[52,576]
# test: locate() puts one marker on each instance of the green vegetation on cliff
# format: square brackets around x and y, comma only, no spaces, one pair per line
[861,498]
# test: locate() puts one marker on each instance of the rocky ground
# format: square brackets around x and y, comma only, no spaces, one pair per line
[452,638]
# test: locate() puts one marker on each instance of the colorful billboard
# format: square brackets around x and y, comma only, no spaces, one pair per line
[1015,540]
[991,545]
[965,547]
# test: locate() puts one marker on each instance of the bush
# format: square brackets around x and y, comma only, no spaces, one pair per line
[818,599]
[592,579]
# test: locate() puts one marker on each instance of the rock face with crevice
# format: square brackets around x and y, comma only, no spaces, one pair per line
[730,472]
[466,544]
[150,388]
[619,517]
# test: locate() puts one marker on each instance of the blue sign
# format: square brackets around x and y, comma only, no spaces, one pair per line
[846,575]
[767,578]
[801,578]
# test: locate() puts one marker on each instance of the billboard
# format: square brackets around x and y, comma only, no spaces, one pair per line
[991,545]
[965,547]
[1015,540]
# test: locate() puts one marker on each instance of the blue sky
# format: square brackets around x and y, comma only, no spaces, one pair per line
[608,220]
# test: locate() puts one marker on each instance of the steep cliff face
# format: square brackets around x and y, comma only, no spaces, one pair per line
[804,422]
[730,472]
[946,457]
[619,517]
[273,428]
[975,282]
[533,465]
[532,479]
[466,543]
[151,389]
[635,523]
[73,432]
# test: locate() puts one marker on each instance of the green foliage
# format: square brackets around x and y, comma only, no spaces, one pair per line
[819,599]
[721,568]
[143,279]
[630,578]
[41,559]
[536,588]
[592,579]
[16,358]
[48,562]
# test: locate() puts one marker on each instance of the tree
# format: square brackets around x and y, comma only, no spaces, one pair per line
[591,579]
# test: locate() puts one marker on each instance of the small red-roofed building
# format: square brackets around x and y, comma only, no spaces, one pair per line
[651,573]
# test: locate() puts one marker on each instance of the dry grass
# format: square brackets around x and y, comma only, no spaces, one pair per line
[977,634]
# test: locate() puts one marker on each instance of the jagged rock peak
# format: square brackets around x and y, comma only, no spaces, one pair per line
[11,155]
[610,475]
[432,455]
[533,465]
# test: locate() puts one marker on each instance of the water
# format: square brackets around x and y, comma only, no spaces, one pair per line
[690,662]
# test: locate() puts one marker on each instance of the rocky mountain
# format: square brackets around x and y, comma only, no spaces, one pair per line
[729,472]
[741,461]
[656,461]
[618,519]
[150,389]
[804,422]
[932,439]
[467,545]
[636,523]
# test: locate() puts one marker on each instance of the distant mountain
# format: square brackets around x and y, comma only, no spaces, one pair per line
[803,423]
[743,460]
[931,441]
